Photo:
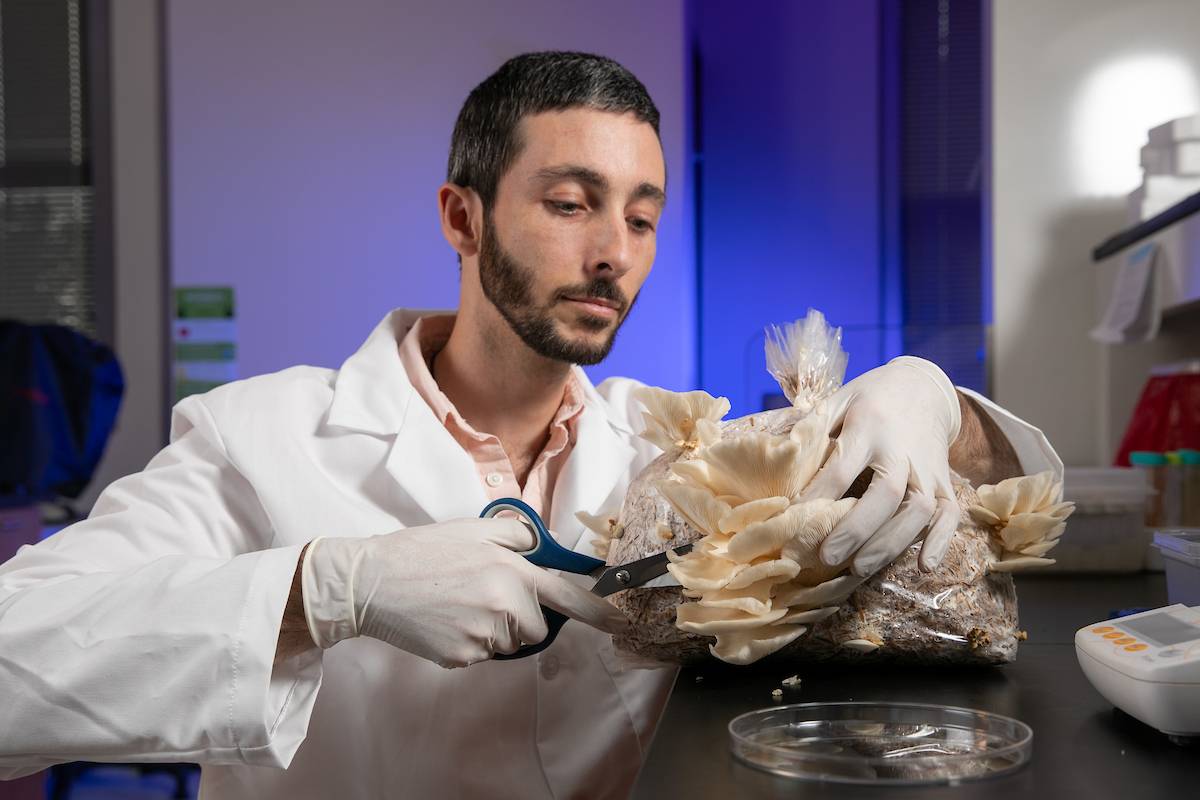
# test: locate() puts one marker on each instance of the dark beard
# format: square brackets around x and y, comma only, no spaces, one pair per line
[508,285]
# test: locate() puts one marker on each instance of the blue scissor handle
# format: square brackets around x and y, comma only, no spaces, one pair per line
[548,554]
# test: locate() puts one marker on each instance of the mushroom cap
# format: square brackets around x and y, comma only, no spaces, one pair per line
[746,647]
[752,467]
[680,420]
[1027,518]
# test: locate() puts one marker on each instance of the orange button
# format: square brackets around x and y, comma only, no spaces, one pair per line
[1113,635]
[1133,648]
[1125,640]
[1102,629]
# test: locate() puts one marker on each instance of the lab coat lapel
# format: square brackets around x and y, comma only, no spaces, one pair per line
[600,459]
[373,395]
[372,391]
[433,469]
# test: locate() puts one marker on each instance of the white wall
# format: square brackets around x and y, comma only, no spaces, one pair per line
[1075,85]
[138,272]
[308,140]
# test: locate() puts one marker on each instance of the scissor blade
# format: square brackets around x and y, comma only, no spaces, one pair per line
[635,573]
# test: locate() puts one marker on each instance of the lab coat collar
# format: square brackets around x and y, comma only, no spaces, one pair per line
[373,395]
[372,392]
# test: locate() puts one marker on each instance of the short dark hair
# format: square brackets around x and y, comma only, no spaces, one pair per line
[485,142]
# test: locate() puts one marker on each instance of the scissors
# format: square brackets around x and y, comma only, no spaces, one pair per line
[549,554]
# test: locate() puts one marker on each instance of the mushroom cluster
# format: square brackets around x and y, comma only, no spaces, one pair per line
[1026,516]
[754,571]
[755,574]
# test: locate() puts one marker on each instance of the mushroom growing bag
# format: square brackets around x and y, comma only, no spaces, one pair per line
[753,585]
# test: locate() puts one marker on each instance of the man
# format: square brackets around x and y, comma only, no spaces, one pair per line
[298,579]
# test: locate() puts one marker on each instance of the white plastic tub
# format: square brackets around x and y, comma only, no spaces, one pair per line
[1180,548]
[1106,532]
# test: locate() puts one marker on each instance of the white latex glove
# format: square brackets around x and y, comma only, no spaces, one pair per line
[898,419]
[454,592]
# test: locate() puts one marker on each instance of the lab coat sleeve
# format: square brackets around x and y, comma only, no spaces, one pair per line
[147,632]
[1031,445]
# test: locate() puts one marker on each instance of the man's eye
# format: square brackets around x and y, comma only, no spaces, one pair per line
[569,209]
[640,224]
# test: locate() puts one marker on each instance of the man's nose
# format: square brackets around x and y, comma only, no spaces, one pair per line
[612,247]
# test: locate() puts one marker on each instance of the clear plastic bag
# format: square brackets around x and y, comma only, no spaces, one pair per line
[717,480]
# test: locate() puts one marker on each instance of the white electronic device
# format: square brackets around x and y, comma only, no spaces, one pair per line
[1148,665]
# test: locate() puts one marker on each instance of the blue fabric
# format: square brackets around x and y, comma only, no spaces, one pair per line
[59,396]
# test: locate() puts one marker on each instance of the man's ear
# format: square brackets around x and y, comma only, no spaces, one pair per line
[462,218]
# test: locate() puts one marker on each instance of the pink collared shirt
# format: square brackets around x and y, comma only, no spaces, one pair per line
[427,337]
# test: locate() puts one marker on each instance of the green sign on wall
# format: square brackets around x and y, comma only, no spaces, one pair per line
[204,334]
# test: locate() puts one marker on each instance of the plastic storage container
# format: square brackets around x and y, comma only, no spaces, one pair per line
[1106,532]
[1180,548]
[1172,505]
[1191,488]
[1154,466]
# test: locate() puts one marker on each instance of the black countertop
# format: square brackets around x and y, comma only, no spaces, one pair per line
[1081,745]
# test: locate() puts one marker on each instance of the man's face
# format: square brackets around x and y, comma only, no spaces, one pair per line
[571,236]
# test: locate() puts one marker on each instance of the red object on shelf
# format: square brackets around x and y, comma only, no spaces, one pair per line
[1167,415]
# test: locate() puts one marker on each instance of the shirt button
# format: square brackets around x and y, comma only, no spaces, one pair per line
[494,479]
[549,666]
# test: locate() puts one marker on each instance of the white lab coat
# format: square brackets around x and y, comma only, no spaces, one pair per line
[147,632]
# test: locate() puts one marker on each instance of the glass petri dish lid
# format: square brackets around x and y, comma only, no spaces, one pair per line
[880,743]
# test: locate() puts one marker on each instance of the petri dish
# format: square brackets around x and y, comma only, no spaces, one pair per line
[880,743]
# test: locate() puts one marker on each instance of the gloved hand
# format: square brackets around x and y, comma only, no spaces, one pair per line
[454,592]
[899,419]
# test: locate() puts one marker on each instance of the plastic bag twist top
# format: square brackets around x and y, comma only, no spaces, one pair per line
[806,358]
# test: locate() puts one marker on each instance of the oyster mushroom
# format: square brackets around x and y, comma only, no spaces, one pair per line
[746,647]
[605,526]
[1026,516]
[680,421]
[698,618]
[752,467]
[794,534]
[739,517]
[695,504]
